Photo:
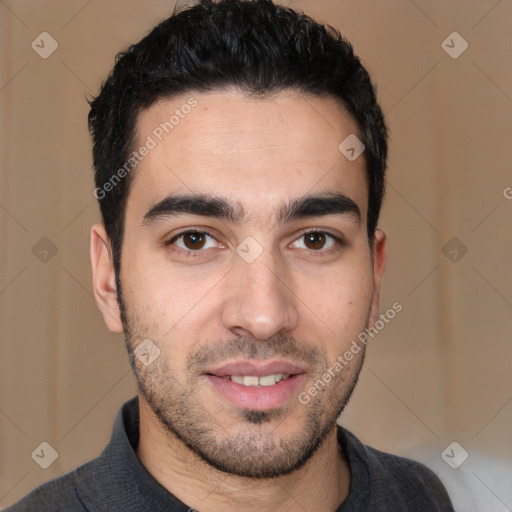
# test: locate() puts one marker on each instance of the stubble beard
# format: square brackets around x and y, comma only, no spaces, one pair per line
[254,451]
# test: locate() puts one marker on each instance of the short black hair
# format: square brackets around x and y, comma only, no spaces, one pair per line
[254,46]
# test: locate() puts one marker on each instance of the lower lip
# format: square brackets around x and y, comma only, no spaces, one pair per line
[255,398]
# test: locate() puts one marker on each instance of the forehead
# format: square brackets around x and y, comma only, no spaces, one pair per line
[259,152]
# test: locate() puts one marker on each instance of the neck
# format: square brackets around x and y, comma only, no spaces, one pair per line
[321,484]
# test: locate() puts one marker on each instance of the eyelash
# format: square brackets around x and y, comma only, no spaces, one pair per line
[188,254]
[196,254]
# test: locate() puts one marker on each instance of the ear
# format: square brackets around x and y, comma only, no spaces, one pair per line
[379,265]
[104,279]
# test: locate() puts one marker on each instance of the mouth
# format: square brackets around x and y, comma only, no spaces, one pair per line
[255,381]
[255,387]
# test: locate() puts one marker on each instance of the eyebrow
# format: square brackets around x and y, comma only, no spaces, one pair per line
[221,208]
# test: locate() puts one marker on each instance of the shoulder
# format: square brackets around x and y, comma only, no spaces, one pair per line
[90,484]
[390,479]
[58,495]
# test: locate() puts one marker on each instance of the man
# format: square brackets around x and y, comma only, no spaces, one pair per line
[240,157]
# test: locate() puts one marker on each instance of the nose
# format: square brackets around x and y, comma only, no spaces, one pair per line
[259,299]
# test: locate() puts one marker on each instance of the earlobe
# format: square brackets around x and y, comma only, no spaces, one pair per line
[103,276]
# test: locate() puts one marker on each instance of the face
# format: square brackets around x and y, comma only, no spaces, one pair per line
[246,263]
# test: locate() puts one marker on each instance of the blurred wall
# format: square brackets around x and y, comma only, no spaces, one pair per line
[439,372]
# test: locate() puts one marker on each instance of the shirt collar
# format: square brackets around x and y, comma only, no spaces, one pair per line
[118,480]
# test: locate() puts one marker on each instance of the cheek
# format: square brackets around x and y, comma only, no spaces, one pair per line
[339,298]
[335,309]
[169,304]
[148,292]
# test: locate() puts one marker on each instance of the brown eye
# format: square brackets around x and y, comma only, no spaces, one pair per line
[317,242]
[314,240]
[194,240]
[193,243]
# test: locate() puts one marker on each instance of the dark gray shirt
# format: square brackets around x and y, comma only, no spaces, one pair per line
[117,482]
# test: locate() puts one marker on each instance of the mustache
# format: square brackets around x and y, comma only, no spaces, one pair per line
[279,346]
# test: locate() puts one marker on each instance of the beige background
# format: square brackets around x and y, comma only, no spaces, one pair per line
[439,372]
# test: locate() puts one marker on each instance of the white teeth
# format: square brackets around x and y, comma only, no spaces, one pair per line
[268,380]
[250,380]
[254,380]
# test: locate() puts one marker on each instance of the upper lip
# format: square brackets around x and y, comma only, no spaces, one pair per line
[259,370]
